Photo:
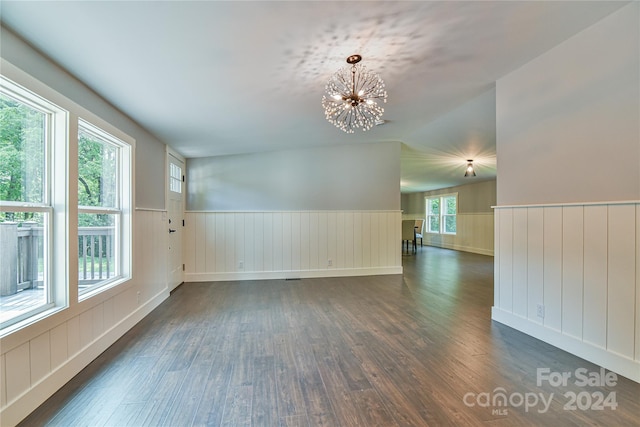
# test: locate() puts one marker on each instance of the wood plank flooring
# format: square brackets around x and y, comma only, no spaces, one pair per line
[367,351]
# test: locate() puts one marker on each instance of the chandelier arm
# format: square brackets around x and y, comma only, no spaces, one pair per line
[366,76]
[364,84]
[345,89]
[343,115]
[354,119]
[368,94]
[373,87]
[366,117]
[359,117]
[342,79]
[347,119]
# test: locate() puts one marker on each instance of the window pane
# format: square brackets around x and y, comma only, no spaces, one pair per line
[450,205]
[23,282]
[22,152]
[449,224]
[434,206]
[434,224]
[97,171]
[97,249]
[175,178]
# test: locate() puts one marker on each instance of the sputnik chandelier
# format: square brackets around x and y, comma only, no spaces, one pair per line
[351,97]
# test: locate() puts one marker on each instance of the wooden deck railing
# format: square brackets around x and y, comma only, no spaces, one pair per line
[96,250]
[22,247]
[30,253]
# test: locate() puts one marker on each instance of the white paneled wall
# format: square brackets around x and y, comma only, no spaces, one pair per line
[291,244]
[570,275]
[37,360]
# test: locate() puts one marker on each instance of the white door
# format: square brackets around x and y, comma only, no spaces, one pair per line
[175,215]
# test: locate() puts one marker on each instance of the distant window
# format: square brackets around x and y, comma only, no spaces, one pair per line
[102,178]
[433,215]
[441,212]
[175,178]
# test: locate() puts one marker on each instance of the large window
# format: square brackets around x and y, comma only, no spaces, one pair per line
[38,207]
[102,166]
[32,146]
[441,214]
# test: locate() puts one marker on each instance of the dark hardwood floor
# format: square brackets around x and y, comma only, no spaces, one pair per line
[412,350]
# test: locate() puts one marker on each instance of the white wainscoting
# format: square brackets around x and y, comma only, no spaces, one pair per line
[580,264]
[291,244]
[474,233]
[39,359]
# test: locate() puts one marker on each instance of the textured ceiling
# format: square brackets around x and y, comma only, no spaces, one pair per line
[217,78]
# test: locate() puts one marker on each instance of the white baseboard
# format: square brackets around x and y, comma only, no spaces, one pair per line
[617,363]
[480,251]
[298,274]
[26,403]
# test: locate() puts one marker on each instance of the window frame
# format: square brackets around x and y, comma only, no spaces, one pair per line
[122,210]
[63,220]
[53,206]
[444,215]
[175,182]
[430,214]
[441,215]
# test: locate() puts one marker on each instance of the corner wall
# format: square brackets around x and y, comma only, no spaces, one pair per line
[567,261]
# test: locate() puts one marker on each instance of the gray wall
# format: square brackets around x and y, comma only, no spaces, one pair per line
[150,152]
[472,198]
[354,177]
[567,122]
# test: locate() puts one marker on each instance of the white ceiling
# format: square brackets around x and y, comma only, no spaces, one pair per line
[216,78]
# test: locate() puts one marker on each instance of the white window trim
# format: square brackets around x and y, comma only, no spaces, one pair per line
[441,215]
[124,203]
[55,204]
[169,153]
[64,202]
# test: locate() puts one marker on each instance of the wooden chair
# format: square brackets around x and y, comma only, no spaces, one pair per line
[408,234]
[419,229]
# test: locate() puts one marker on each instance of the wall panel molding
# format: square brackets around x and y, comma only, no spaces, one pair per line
[251,245]
[582,279]
[600,356]
[39,359]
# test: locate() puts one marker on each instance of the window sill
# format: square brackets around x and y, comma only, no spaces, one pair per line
[29,321]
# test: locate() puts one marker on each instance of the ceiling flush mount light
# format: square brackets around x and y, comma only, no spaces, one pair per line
[352,95]
[470,171]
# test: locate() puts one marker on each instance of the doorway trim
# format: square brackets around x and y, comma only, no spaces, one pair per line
[177,223]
